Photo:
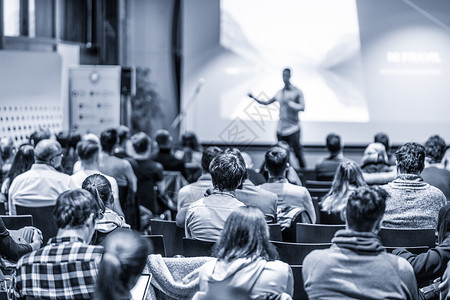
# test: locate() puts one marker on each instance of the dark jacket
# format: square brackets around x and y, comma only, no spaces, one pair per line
[430,265]
[8,247]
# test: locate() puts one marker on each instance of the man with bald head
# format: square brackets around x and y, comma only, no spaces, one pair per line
[41,185]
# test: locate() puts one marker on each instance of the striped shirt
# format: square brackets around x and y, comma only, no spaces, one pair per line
[64,269]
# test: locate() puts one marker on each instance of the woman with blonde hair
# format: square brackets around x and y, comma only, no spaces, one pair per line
[375,166]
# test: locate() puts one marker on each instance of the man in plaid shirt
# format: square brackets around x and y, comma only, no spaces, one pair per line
[67,267]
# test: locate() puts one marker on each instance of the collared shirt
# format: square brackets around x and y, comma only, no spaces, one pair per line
[194,191]
[206,217]
[40,186]
[64,269]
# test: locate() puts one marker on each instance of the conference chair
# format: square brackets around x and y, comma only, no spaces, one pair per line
[307,174]
[413,250]
[407,237]
[330,219]
[17,222]
[289,234]
[299,289]
[172,235]
[42,219]
[193,248]
[275,232]
[295,253]
[316,233]
[317,184]
[158,244]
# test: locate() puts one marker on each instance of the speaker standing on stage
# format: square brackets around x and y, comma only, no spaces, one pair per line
[291,103]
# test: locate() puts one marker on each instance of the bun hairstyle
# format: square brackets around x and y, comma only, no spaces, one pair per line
[122,263]
[73,208]
[100,188]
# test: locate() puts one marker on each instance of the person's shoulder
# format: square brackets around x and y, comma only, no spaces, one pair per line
[400,264]
[267,194]
[316,257]
[278,265]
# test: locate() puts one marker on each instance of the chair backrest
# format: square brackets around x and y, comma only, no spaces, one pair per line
[158,244]
[413,250]
[330,219]
[193,248]
[42,219]
[275,232]
[407,237]
[172,234]
[17,222]
[290,234]
[317,184]
[316,233]
[295,253]
[307,174]
[299,290]
[318,192]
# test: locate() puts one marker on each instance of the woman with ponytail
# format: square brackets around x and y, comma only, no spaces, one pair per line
[109,221]
[122,263]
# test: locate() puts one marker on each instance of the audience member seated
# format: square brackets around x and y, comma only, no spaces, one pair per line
[67,267]
[432,264]
[122,264]
[191,155]
[195,191]
[357,266]
[375,168]
[88,151]
[165,156]
[118,168]
[246,259]
[16,243]
[148,172]
[347,179]
[100,188]
[7,151]
[255,177]
[87,137]
[326,169]
[23,160]
[435,172]
[292,199]
[251,195]
[291,174]
[384,139]
[120,150]
[206,217]
[413,203]
[41,185]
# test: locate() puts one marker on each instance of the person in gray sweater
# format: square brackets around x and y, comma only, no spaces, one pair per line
[357,265]
[413,203]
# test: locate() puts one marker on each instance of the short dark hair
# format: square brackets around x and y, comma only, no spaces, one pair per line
[287,70]
[189,140]
[383,139]
[63,138]
[38,136]
[123,132]
[276,160]
[208,155]
[141,142]
[365,206]
[411,158]
[163,139]
[87,149]
[227,172]
[435,149]
[73,208]
[108,139]
[333,143]
[74,139]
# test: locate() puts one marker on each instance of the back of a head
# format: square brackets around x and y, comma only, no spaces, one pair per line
[63,138]
[46,150]
[100,188]
[208,155]
[245,234]
[73,208]
[163,139]
[410,158]
[123,133]
[38,136]
[22,162]
[276,160]
[227,172]
[435,149]
[121,265]
[108,139]
[189,140]
[333,143]
[141,142]
[383,139]
[348,173]
[374,153]
[87,150]
[6,147]
[74,139]
[365,207]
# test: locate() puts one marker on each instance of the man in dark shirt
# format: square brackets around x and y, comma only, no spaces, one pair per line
[326,169]
[165,156]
